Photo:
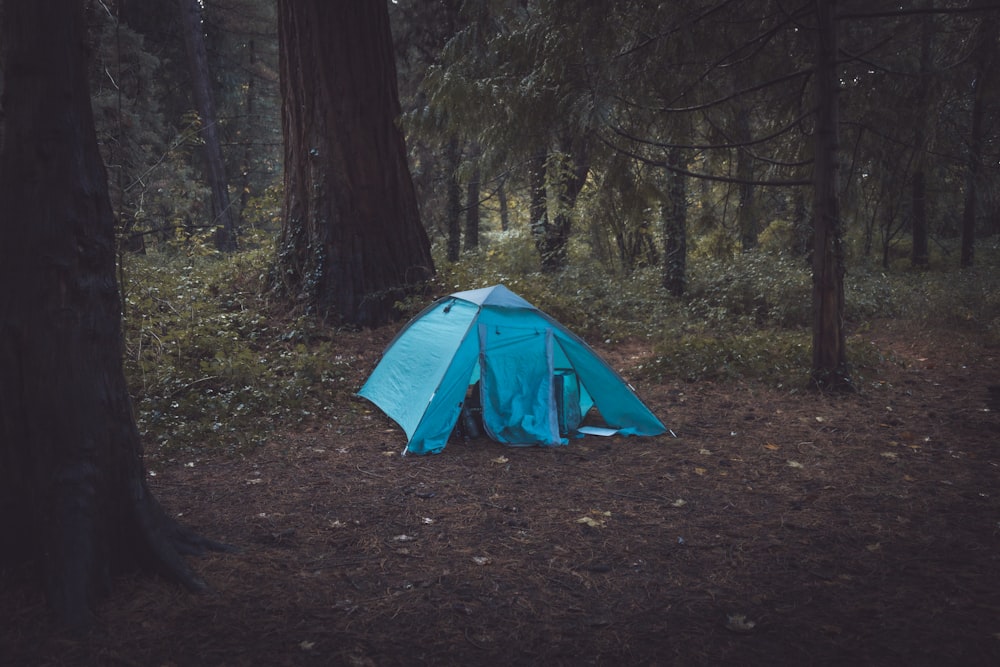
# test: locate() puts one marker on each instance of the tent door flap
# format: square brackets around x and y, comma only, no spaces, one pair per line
[567,394]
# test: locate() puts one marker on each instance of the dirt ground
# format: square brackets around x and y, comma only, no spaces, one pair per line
[777,527]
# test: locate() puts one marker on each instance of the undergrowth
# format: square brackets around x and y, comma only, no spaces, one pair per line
[212,363]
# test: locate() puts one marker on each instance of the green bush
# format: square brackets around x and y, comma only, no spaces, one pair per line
[212,364]
[754,289]
[210,367]
[775,356]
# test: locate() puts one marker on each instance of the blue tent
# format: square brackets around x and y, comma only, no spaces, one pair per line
[536,379]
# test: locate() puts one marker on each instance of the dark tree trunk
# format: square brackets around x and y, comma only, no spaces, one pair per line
[352,244]
[248,150]
[829,365]
[538,206]
[223,218]
[746,212]
[801,224]
[921,254]
[72,481]
[453,201]
[675,229]
[983,55]
[472,193]
[571,167]
[504,209]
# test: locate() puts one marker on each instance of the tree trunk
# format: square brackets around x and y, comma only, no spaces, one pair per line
[675,229]
[921,255]
[801,224]
[249,110]
[985,45]
[223,218]
[472,193]
[72,482]
[538,207]
[829,365]
[352,244]
[453,201]
[571,166]
[504,210]
[746,212]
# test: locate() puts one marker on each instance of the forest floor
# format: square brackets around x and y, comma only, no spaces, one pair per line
[777,527]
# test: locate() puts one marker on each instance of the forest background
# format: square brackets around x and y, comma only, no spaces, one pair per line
[639,170]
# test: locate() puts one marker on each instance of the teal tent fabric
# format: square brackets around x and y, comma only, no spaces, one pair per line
[515,351]
[516,385]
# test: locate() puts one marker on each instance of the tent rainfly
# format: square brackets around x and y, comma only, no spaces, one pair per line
[536,379]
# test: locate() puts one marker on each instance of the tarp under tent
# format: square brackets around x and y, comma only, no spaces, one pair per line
[536,380]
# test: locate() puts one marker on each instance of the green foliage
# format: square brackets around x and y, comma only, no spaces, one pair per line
[583,296]
[263,212]
[776,356]
[210,368]
[756,288]
[212,365]
[959,297]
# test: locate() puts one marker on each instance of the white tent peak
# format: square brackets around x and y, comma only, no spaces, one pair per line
[497,295]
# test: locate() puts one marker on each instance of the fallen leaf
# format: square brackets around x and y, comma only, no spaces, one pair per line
[795,464]
[307,646]
[739,623]
[704,452]
[680,502]
[700,471]
[500,460]
[874,547]
[482,560]
[772,447]
[590,521]
[890,455]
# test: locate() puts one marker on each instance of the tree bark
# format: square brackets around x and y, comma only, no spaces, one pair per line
[570,166]
[352,244]
[920,257]
[472,194]
[746,211]
[223,217]
[829,364]
[504,210]
[982,56]
[453,201]
[72,480]
[249,110]
[538,203]
[675,229]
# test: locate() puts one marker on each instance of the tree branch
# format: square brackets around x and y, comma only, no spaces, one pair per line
[705,177]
